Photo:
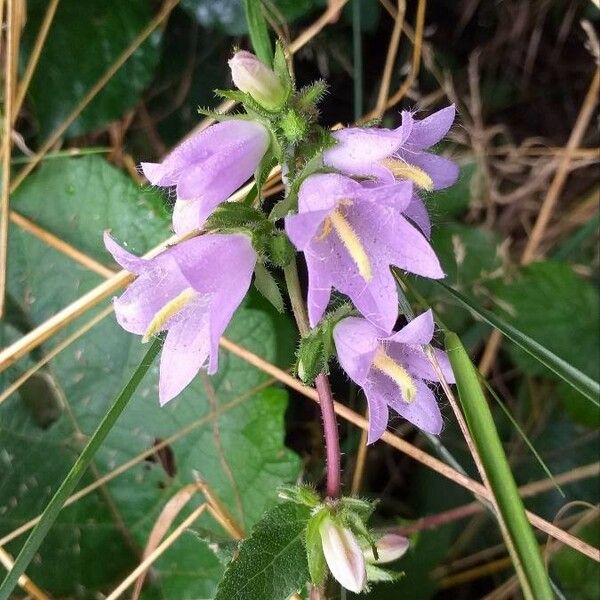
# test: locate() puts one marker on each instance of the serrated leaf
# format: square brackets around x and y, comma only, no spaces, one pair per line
[376,574]
[265,283]
[240,453]
[85,39]
[271,564]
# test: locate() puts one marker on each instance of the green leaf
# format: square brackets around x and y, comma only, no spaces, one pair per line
[453,201]
[575,378]
[567,326]
[230,425]
[265,283]
[36,537]
[317,565]
[271,564]
[85,39]
[259,32]
[481,426]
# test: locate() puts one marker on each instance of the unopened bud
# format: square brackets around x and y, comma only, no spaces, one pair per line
[344,556]
[390,547]
[252,76]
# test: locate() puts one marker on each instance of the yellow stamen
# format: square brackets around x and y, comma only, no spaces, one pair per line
[388,366]
[352,243]
[403,170]
[167,311]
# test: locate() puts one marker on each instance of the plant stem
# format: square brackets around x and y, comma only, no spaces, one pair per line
[330,428]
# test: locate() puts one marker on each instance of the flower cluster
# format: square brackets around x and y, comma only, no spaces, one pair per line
[354,209]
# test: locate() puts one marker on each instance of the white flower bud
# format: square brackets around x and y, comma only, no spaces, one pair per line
[390,547]
[252,76]
[343,554]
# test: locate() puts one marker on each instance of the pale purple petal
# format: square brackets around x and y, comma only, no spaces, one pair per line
[417,363]
[396,196]
[319,289]
[198,147]
[389,235]
[423,411]
[418,331]
[379,413]
[443,171]
[130,262]
[324,191]
[185,351]
[186,216]
[359,151]
[429,131]
[416,212]
[356,341]
[302,227]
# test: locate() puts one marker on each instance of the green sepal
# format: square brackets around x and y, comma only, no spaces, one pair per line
[236,216]
[308,97]
[280,67]
[300,494]
[265,166]
[280,249]
[357,524]
[377,574]
[293,125]
[265,283]
[316,348]
[317,565]
[211,114]
[249,103]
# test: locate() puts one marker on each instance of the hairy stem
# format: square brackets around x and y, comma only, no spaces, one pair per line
[330,428]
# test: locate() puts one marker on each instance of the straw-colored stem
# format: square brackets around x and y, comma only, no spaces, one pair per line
[34,57]
[93,92]
[24,582]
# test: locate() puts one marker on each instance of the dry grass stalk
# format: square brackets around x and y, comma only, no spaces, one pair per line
[548,205]
[24,582]
[164,12]
[33,58]
[156,553]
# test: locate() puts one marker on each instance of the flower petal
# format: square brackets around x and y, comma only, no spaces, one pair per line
[429,131]
[417,213]
[302,227]
[423,411]
[356,341]
[418,331]
[185,351]
[130,262]
[379,413]
[443,171]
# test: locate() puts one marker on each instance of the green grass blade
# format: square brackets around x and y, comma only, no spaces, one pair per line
[36,537]
[574,377]
[481,426]
[259,32]
[522,434]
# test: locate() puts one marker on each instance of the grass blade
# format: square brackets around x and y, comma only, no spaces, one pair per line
[36,537]
[259,32]
[574,377]
[485,436]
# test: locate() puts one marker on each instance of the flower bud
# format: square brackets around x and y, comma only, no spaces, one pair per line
[252,76]
[343,555]
[390,547]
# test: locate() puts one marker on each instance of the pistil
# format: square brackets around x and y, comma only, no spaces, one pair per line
[398,374]
[168,310]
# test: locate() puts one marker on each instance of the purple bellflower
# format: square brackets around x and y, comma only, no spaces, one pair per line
[392,370]
[389,154]
[208,167]
[191,290]
[350,235]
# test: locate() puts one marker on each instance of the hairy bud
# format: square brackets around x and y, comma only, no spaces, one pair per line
[343,554]
[253,77]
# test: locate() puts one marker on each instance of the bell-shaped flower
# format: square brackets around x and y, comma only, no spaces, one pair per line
[343,555]
[350,235]
[393,371]
[208,167]
[190,290]
[389,154]
[390,547]
[252,76]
